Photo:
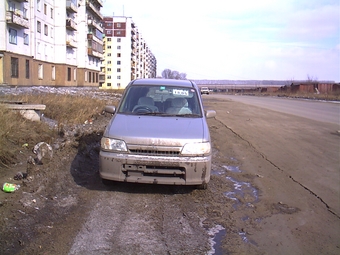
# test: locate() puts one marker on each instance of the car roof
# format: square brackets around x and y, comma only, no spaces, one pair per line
[165,82]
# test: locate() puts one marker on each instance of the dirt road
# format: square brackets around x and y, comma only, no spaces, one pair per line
[257,201]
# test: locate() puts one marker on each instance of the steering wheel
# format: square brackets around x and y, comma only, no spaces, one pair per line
[142,109]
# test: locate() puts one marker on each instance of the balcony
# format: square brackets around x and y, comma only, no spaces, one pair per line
[16,20]
[102,77]
[71,24]
[95,24]
[94,53]
[93,9]
[22,1]
[71,7]
[71,43]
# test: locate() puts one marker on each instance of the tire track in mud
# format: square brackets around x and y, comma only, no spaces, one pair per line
[278,168]
[115,226]
[137,222]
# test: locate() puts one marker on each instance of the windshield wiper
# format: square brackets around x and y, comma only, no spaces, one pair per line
[149,113]
[189,115]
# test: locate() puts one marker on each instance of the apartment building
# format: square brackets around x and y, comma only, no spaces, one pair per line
[50,42]
[126,54]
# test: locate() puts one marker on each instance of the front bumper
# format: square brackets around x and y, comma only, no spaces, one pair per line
[154,169]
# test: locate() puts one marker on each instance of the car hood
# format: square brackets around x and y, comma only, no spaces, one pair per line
[157,130]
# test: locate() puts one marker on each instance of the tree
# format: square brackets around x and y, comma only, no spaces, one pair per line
[169,74]
[311,78]
[166,73]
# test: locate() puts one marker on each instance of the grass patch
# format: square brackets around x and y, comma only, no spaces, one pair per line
[65,109]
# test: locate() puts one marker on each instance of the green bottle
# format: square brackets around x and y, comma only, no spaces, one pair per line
[8,187]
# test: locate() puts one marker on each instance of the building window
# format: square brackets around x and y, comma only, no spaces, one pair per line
[119,39]
[93,77]
[46,29]
[45,51]
[118,70]
[109,84]
[109,77]
[69,73]
[119,25]
[26,39]
[38,26]
[109,39]
[118,77]
[11,6]
[25,13]
[40,72]
[118,85]
[118,47]
[96,77]
[109,54]
[45,9]
[27,68]
[14,67]
[109,62]
[53,73]
[75,74]
[12,36]
[109,47]
[118,55]
[109,69]
[118,62]
[38,46]
[38,5]
[90,76]
[118,33]
[51,13]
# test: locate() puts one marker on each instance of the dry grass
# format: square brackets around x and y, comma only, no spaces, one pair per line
[65,109]
[15,131]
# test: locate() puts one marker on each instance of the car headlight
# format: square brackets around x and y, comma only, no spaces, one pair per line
[196,149]
[113,144]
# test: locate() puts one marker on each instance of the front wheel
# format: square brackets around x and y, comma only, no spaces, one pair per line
[107,182]
[202,186]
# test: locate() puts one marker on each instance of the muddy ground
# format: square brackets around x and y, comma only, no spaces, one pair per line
[253,204]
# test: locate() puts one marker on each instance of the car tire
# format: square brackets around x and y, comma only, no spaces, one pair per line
[202,186]
[107,182]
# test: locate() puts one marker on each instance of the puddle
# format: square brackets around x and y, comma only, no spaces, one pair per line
[234,169]
[215,170]
[245,239]
[216,234]
[218,170]
[242,190]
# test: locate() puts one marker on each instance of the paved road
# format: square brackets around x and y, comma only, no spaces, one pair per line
[315,110]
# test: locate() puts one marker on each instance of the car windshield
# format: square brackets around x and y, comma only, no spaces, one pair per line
[161,101]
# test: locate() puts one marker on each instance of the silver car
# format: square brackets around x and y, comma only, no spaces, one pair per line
[158,134]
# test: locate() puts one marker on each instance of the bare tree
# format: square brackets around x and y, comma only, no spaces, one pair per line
[169,74]
[174,75]
[182,76]
[166,74]
[311,78]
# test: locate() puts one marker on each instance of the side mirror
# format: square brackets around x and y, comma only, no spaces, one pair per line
[210,114]
[110,109]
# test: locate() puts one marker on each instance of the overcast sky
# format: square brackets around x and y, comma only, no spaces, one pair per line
[243,39]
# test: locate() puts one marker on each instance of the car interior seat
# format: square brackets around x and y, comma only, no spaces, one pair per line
[179,106]
[147,102]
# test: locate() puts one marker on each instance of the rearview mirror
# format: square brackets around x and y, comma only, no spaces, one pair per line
[210,114]
[110,109]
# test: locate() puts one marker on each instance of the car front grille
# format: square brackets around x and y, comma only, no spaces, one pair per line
[155,152]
